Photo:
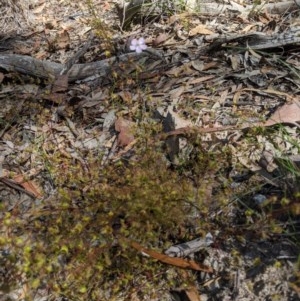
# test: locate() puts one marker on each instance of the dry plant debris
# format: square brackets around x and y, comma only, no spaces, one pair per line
[109,158]
[15,16]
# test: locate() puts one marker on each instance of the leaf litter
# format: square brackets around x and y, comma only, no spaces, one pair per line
[219,97]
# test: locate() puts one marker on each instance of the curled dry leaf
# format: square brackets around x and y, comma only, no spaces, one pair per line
[124,127]
[200,29]
[162,37]
[30,186]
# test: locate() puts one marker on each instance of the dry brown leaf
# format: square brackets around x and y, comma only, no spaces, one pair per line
[201,79]
[126,96]
[192,294]
[176,93]
[41,54]
[160,39]
[198,65]
[124,127]
[179,262]
[62,40]
[265,18]
[295,287]
[249,27]
[124,150]
[200,29]
[210,65]
[235,61]
[288,113]
[39,9]
[30,186]
[176,71]
[223,96]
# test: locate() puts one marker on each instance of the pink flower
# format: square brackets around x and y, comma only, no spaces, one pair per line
[138,45]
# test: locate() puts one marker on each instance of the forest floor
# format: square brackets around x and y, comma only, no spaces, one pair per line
[100,176]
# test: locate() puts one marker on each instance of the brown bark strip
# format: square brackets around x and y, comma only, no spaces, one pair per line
[179,262]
